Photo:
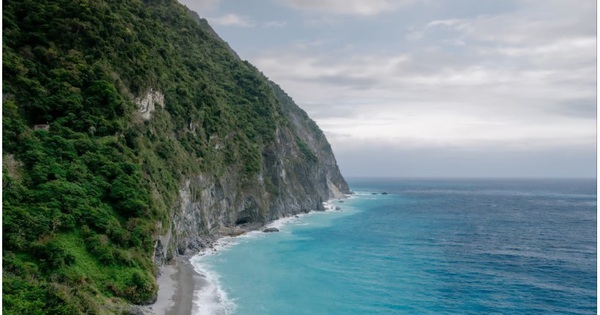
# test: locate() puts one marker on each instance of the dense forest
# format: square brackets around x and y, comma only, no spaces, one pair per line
[85,195]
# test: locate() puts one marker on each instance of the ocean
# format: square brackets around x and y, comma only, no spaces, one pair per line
[493,246]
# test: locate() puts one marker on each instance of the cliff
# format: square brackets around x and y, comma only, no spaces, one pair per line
[155,137]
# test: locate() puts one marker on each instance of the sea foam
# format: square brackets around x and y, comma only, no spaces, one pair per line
[211,299]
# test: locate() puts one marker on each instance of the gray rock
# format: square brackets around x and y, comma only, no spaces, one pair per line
[269,230]
[136,310]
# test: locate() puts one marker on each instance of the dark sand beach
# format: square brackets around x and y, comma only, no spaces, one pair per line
[176,285]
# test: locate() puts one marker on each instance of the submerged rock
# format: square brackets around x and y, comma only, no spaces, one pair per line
[338,208]
[272,229]
[384,193]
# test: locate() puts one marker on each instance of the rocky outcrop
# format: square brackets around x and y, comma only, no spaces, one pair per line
[288,183]
[147,103]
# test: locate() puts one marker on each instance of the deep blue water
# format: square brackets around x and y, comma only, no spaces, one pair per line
[428,247]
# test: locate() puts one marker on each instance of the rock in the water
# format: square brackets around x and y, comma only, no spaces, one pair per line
[384,193]
[373,193]
[272,229]
[338,208]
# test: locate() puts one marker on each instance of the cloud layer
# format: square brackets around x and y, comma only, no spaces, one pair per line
[466,82]
[346,7]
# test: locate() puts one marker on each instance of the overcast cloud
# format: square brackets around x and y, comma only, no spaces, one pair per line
[487,88]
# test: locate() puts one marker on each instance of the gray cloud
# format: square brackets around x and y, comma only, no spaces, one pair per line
[274,24]
[347,7]
[577,108]
[232,19]
[355,83]
[519,79]
[535,22]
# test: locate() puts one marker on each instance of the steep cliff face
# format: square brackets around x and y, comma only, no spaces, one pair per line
[298,173]
[155,137]
[286,185]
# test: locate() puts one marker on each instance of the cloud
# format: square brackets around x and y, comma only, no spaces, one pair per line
[575,108]
[357,71]
[274,24]
[232,19]
[535,22]
[545,75]
[347,7]
[521,96]
[456,130]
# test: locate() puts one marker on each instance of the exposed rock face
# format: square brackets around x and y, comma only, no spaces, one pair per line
[147,103]
[289,183]
[298,174]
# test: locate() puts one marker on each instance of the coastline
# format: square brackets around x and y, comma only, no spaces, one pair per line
[179,281]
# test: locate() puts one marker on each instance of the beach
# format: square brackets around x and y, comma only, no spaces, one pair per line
[176,286]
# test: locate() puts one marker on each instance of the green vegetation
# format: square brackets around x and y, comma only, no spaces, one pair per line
[82,202]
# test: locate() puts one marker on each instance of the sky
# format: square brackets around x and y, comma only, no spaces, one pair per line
[431,88]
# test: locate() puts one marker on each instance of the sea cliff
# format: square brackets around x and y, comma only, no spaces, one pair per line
[298,173]
[134,134]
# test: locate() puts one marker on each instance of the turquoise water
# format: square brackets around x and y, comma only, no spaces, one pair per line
[427,247]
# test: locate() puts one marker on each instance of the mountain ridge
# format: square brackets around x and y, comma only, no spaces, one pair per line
[155,137]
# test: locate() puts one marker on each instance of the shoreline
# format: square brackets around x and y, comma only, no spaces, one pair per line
[178,281]
[186,280]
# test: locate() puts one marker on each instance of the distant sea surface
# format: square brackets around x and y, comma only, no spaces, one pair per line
[425,247]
